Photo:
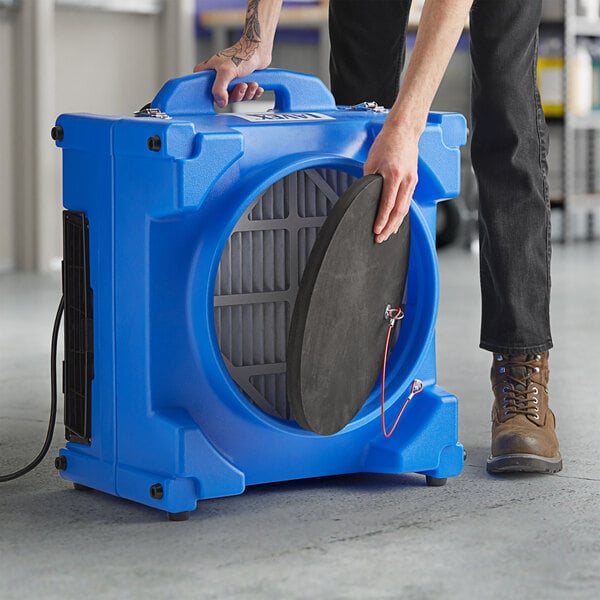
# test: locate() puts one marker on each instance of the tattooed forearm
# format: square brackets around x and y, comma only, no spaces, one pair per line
[245,49]
[252,27]
[240,52]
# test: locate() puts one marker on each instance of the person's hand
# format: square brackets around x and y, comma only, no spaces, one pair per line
[239,60]
[394,155]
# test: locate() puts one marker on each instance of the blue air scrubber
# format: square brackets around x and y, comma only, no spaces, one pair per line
[185,236]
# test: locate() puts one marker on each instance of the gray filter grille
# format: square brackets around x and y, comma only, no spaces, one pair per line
[258,279]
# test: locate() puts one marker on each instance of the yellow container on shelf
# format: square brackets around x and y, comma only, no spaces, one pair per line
[550,82]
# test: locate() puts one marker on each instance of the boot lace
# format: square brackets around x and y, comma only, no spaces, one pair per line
[520,393]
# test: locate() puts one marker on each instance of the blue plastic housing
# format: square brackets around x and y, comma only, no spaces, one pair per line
[161,197]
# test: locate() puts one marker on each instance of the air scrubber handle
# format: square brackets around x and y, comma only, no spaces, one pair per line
[294,92]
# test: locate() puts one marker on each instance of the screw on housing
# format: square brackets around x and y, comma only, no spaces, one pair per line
[154,143]
[57,133]
[156,491]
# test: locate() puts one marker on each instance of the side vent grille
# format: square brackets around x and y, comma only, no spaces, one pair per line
[78,366]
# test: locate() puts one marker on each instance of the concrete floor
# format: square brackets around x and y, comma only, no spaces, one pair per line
[360,536]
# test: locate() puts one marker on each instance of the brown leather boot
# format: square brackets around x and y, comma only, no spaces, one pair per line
[523,437]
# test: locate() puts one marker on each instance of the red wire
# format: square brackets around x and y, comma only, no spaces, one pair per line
[414,390]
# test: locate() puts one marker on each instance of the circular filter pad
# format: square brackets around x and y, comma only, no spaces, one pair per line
[338,328]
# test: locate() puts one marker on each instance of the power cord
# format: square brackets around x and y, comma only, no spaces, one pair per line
[53,403]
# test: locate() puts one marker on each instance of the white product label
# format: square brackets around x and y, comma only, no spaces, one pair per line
[551,85]
[269,117]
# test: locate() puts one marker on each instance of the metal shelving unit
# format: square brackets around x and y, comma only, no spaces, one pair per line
[575,27]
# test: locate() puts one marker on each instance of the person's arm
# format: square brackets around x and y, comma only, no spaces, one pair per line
[394,153]
[252,51]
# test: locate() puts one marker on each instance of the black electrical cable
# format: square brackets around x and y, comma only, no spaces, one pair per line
[53,403]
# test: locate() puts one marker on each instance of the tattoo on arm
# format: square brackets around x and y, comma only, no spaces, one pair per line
[244,50]
[252,27]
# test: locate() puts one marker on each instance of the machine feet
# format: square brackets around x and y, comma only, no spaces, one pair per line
[82,488]
[435,481]
[179,516]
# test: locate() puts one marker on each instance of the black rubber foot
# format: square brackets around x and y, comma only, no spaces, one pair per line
[82,488]
[435,481]
[179,516]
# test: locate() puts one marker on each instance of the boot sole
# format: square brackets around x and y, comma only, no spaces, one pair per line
[523,463]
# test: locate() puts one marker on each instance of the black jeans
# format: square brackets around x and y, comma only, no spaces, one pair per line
[508,147]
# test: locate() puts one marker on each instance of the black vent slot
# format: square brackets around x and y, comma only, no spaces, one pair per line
[78,368]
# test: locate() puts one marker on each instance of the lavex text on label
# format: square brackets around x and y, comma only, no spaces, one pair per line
[273,116]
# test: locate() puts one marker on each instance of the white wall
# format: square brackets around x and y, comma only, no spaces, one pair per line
[106,63]
[57,58]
